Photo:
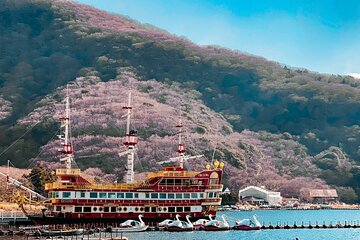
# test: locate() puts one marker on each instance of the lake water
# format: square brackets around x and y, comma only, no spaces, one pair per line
[273,216]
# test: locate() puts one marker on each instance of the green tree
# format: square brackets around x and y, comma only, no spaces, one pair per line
[347,195]
[38,176]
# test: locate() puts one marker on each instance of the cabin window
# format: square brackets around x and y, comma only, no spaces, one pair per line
[187,209]
[211,194]
[136,195]
[194,195]
[147,209]
[120,195]
[147,195]
[179,195]
[171,209]
[87,209]
[82,194]
[201,195]
[113,209]
[171,196]
[170,181]
[153,209]
[95,209]
[194,182]
[154,195]
[93,195]
[177,181]
[214,181]
[55,194]
[111,195]
[125,209]
[163,182]
[162,195]
[106,209]
[129,195]
[179,209]
[102,195]
[186,195]
[58,208]
[66,194]
[78,209]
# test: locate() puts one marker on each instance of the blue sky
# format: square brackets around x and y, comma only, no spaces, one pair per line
[321,35]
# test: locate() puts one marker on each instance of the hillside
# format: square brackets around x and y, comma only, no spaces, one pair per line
[270,123]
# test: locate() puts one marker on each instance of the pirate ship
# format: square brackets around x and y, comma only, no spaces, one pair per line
[161,195]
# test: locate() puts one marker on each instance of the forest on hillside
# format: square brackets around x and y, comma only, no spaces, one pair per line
[47,44]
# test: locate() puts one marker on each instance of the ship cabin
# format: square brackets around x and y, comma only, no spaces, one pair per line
[161,195]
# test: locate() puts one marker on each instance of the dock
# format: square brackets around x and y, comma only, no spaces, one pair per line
[13,216]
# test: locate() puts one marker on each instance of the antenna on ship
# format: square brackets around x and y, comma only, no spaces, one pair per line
[67,151]
[130,143]
[181,149]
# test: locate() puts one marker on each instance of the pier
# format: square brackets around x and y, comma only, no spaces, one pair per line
[104,229]
[11,217]
[314,225]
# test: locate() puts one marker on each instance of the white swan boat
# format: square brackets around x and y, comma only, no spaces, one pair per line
[200,223]
[131,226]
[165,223]
[248,224]
[180,226]
[217,225]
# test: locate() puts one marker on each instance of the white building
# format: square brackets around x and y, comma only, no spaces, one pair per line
[260,196]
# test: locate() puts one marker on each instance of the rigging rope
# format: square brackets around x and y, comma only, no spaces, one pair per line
[20,138]
[42,150]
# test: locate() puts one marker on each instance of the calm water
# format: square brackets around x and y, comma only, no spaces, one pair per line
[273,216]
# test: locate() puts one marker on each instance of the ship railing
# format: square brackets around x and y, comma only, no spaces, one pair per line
[215,186]
[172,174]
[58,185]
[75,171]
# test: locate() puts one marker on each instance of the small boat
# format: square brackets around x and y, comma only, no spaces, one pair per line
[248,224]
[180,226]
[165,223]
[60,232]
[217,225]
[131,226]
[200,223]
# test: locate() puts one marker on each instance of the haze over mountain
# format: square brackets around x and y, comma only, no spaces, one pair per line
[276,126]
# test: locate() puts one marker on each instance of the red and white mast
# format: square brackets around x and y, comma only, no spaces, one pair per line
[130,143]
[66,150]
[181,148]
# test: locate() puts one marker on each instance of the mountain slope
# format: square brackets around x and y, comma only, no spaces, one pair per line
[46,44]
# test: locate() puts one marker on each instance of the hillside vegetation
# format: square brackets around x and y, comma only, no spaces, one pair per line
[271,123]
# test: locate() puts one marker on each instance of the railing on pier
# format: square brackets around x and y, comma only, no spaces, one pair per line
[11,216]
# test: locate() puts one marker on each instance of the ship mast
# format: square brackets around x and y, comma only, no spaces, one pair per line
[130,143]
[181,148]
[66,150]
